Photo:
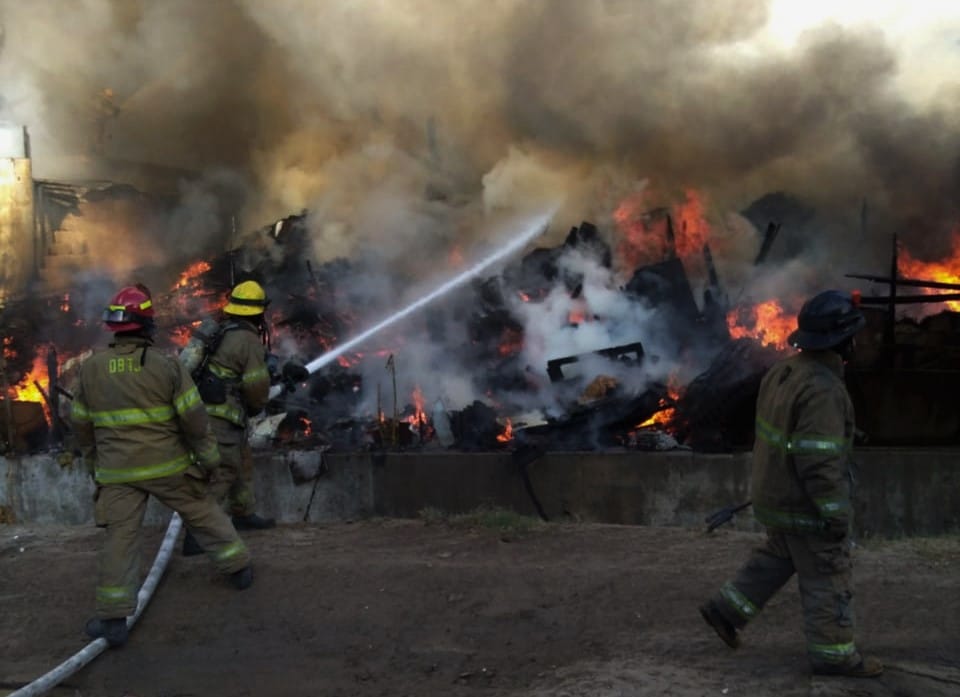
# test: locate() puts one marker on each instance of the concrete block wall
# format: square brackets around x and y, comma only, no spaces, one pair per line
[38,489]
[898,491]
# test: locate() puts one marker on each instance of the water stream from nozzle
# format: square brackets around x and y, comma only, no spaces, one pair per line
[531,229]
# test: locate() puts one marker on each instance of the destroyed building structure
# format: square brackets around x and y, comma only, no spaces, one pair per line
[680,366]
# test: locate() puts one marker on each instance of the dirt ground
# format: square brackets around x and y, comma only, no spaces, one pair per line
[431,608]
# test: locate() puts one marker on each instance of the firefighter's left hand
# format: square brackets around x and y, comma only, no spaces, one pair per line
[837,528]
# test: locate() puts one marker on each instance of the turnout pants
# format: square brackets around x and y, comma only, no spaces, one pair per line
[120,509]
[824,571]
[233,482]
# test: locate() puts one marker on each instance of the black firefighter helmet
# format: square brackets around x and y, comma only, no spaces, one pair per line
[827,320]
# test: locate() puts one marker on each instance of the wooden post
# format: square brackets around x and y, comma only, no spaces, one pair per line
[392,367]
[7,409]
[13,463]
[890,326]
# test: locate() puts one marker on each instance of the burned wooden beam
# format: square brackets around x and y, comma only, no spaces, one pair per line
[53,398]
[632,353]
[890,326]
[912,282]
[671,239]
[768,239]
[665,285]
[714,280]
[910,299]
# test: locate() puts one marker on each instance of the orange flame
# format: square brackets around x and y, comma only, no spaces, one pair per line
[660,418]
[306,426]
[189,278]
[579,312]
[767,322]
[345,361]
[643,232]
[641,237]
[419,416]
[26,390]
[511,342]
[507,435]
[944,271]
[690,225]
[181,335]
[666,411]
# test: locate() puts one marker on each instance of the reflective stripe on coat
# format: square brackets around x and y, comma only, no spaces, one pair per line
[804,434]
[137,415]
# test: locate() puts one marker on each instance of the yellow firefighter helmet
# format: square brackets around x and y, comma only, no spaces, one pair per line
[247,299]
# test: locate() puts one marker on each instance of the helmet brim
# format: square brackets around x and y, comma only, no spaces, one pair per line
[808,341]
[243,310]
[818,341]
[123,326]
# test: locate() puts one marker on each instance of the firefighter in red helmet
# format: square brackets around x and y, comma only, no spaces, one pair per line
[143,430]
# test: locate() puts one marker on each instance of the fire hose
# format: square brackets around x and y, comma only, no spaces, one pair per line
[48,681]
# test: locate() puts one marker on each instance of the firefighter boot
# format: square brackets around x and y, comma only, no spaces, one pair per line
[114,631]
[242,579]
[868,667]
[191,547]
[726,631]
[252,522]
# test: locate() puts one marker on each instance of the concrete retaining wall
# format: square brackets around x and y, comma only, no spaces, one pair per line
[899,491]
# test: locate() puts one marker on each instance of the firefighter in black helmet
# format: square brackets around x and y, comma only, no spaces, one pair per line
[801,492]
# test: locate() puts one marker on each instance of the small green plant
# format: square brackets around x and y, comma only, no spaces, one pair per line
[942,549]
[432,515]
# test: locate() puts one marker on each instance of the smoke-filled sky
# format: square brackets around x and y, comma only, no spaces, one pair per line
[400,124]
[831,101]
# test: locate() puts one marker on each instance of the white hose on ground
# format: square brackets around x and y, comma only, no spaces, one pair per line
[47,682]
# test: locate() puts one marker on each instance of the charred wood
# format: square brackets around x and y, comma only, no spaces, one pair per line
[628,353]
[910,299]
[716,412]
[911,282]
[665,286]
[769,237]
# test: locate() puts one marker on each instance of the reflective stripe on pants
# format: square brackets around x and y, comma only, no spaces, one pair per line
[824,572]
[121,507]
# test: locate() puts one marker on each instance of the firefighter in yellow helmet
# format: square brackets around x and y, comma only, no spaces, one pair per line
[801,492]
[143,431]
[234,385]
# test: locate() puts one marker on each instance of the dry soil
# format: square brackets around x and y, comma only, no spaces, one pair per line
[441,608]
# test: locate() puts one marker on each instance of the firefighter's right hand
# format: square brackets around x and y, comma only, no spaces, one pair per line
[273,367]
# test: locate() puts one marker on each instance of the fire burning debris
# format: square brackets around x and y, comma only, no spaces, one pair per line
[766,322]
[395,183]
[944,271]
[597,342]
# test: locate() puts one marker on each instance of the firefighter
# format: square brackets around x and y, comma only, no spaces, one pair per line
[801,488]
[234,386]
[142,429]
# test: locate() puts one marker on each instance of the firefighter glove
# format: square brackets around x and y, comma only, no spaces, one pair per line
[837,528]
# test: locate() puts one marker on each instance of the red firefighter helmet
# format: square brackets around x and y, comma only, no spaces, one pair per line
[131,309]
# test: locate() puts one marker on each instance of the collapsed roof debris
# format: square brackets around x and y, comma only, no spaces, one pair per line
[653,367]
